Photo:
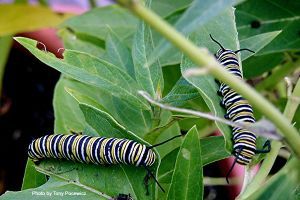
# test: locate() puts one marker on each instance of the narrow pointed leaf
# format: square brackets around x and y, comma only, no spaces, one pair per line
[181,93]
[187,177]
[118,54]
[256,43]
[149,76]
[32,178]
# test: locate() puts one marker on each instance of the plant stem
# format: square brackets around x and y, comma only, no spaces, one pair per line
[201,57]
[278,75]
[293,102]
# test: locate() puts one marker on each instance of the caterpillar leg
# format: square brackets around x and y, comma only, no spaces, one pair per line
[76,133]
[268,145]
[146,180]
[146,183]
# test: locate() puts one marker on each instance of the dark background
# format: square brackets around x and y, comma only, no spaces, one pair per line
[29,86]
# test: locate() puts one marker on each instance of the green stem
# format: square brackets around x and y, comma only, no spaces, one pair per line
[293,102]
[201,57]
[277,75]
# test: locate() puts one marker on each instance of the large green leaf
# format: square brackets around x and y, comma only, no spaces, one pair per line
[256,17]
[72,41]
[212,149]
[256,43]
[22,18]
[199,13]
[135,119]
[57,188]
[91,70]
[100,21]
[68,116]
[119,54]
[165,8]
[180,93]
[148,76]
[187,177]
[257,65]
[32,178]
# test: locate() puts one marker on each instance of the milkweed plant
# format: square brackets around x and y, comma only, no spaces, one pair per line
[146,71]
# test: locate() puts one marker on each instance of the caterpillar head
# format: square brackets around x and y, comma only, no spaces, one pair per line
[222,50]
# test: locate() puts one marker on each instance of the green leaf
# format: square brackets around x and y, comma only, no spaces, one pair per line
[74,42]
[263,16]
[15,18]
[148,76]
[32,178]
[212,150]
[68,116]
[171,75]
[198,14]
[165,134]
[165,8]
[102,122]
[58,189]
[91,70]
[187,177]
[100,21]
[118,54]
[257,65]
[256,43]
[283,185]
[180,93]
[134,119]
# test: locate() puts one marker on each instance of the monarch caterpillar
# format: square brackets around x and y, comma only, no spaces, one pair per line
[96,150]
[87,149]
[237,110]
